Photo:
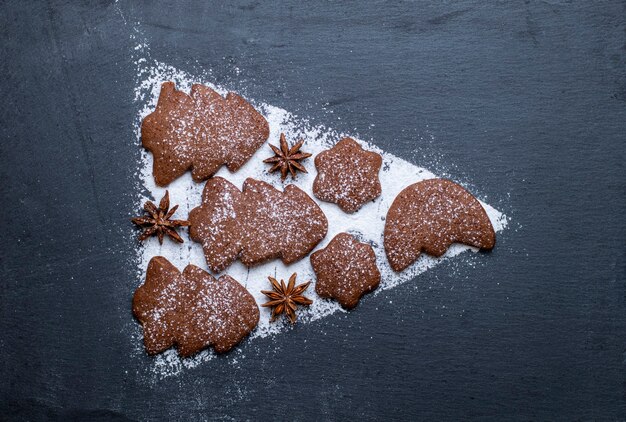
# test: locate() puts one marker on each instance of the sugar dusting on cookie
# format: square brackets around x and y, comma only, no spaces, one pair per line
[367,224]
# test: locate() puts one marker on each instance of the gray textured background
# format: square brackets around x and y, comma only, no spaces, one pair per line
[523,101]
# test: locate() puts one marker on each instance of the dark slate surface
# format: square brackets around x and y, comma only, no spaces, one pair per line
[523,101]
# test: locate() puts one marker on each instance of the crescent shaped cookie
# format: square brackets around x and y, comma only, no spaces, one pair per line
[192,310]
[431,215]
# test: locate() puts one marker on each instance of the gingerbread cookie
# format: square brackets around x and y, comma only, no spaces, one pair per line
[431,215]
[200,131]
[346,270]
[256,224]
[192,310]
[347,175]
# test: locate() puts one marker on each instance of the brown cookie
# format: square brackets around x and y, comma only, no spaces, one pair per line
[200,131]
[347,175]
[192,310]
[346,270]
[431,215]
[256,224]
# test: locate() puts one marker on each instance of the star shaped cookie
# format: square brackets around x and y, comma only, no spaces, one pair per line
[347,175]
[346,270]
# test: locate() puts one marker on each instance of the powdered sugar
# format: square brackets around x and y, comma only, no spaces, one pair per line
[367,224]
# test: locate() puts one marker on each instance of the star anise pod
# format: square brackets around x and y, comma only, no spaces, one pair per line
[284,299]
[287,159]
[158,221]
